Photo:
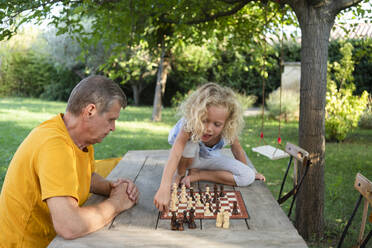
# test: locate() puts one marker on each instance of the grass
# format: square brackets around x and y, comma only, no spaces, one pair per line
[136,131]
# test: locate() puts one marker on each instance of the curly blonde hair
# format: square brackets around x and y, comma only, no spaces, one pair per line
[194,110]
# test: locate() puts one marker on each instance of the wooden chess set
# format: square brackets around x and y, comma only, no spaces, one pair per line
[187,205]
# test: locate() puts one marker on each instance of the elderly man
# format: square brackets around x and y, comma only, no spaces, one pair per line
[52,172]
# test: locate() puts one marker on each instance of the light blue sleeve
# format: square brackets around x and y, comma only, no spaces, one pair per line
[175,130]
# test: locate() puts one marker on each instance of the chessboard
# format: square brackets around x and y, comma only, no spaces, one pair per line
[226,202]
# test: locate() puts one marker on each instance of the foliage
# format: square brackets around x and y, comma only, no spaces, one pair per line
[343,109]
[289,107]
[366,118]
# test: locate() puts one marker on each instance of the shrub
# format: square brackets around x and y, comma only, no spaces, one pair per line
[366,118]
[246,101]
[343,109]
[290,105]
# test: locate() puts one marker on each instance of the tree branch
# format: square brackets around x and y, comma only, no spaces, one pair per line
[208,17]
[344,4]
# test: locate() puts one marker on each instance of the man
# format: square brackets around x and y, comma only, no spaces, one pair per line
[52,172]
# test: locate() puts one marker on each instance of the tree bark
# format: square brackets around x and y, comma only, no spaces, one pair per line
[137,89]
[316,24]
[160,83]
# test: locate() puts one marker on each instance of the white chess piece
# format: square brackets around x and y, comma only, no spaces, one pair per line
[226,219]
[173,207]
[219,219]
[207,211]
[183,194]
[189,204]
[198,202]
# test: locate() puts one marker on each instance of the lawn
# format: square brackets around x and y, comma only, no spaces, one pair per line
[135,131]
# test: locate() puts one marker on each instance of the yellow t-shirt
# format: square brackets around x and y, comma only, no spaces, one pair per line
[46,164]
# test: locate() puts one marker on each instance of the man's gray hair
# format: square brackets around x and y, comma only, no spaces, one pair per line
[98,90]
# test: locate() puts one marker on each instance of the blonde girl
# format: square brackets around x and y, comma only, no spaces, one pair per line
[212,118]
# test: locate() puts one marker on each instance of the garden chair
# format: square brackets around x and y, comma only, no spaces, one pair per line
[297,155]
[364,186]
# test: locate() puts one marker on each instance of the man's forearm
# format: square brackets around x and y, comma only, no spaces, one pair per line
[99,185]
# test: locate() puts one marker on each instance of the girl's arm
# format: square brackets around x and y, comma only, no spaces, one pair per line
[162,196]
[238,152]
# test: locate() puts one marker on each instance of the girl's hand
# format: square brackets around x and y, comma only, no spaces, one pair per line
[162,198]
[260,177]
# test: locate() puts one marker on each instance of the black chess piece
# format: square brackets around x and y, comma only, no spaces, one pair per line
[235,208]
[215,197]
[192,194]
[174,224]
[217,210]
[222,194]
[180,225]
[192,224]
[185,220]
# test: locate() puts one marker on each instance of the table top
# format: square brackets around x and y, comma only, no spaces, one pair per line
[140,226]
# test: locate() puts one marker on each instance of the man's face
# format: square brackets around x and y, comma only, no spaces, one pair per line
[100,124]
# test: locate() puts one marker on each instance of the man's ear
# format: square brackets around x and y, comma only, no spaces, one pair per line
[90,110]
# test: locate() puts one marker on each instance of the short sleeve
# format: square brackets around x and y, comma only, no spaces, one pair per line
[56,169]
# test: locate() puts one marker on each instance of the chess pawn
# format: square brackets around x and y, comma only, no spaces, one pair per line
[207,190]
[192,193]
[235,208]
[226,219]
[207,211]
[198,202]
[219,219]
[189,204]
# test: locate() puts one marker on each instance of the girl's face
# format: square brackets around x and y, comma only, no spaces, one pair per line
[214,123]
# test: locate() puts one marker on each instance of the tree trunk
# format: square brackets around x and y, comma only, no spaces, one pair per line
[161,80]
[156,112]
[136,93]
[316,24]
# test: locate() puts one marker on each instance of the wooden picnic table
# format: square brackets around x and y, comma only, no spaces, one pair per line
[140,226]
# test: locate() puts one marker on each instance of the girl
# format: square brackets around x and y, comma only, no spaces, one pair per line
[212,118]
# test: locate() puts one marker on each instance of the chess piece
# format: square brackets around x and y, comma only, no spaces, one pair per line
[215,188]
[198,202]
[183,194]
[217,210]
[189,204]
[185,220]
[226,219]
[215,197]
[219,219]
[173,206]
[192,224]
[180,225]
[174,224]
[207,211]
[207,198]
[222,194]
[235,208]
[192,193]
[207,190]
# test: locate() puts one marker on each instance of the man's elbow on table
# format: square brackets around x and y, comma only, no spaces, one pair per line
[65,217]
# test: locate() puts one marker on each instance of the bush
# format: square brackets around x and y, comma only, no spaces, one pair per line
[246,101]
[290,105]
[366,118]
[343,109]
